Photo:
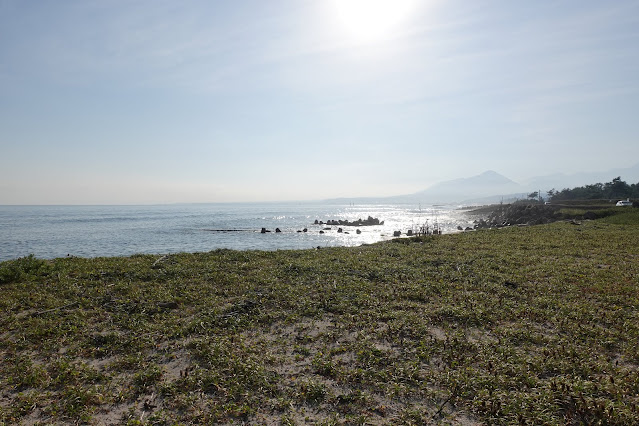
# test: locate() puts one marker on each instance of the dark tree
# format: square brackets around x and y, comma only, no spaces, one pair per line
[617,189]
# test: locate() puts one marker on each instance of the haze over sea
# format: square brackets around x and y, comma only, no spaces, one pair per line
[93,231]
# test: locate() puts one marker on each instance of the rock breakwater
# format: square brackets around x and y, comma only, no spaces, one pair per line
[370,221]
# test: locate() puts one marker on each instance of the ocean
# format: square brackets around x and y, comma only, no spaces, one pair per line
[95,231]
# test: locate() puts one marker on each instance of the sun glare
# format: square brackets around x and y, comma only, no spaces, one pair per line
[372,20]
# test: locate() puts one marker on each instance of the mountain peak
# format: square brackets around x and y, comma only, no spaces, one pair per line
[492,176]
[487,183]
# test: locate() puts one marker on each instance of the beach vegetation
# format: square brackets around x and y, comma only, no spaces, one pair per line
[519,325]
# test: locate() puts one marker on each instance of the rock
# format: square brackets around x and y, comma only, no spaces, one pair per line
[321,232]
[264,231]
[409,233]
[305,230]
[468,228]
[590,216]
[520,214]
[359,231]
[459,228]
[370,221]
[277,230]
[397,233]
[316,222]
[340,230]
[511,284]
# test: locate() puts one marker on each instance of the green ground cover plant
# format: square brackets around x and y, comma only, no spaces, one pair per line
[619,215]
[520,325]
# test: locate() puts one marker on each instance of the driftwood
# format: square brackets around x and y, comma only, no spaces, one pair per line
[160,260]
[441,407]
[59,308]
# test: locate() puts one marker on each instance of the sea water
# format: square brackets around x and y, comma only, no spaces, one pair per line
[93,231]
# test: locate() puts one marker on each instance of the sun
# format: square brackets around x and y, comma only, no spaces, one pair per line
[373,20]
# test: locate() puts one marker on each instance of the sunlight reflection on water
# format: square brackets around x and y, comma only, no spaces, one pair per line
[89,231]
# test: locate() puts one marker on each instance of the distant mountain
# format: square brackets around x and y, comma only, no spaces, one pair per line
[487,187]
[487,184]
[560,181]
[492,187]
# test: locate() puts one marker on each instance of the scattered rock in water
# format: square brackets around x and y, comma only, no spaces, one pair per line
[481,223]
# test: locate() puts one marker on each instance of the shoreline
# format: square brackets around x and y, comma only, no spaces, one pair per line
[122,231]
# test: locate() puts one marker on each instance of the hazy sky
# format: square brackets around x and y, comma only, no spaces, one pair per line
[107,101]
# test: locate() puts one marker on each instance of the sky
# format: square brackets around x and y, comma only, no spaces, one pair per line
[153,101]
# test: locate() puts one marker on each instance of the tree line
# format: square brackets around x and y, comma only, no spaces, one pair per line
[615,189]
